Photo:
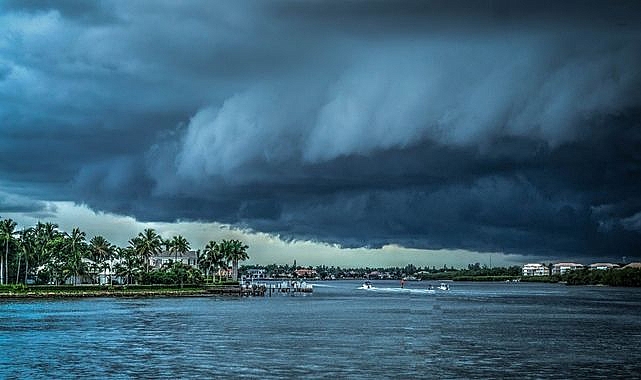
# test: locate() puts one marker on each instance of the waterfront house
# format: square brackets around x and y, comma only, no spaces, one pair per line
[167,258]
[535,269]
[602,266]
[96,274]
[561,268]
[93,273]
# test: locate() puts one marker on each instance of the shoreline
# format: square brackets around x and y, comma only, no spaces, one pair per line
[67,292]
[105,294]
[227,290]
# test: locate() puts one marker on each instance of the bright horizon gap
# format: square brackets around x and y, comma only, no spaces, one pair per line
[264,248]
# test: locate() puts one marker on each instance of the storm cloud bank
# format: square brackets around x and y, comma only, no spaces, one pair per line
[493,127]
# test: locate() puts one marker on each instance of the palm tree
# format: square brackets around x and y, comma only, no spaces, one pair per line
[75,251]
[27,244]
[7,232]
[101,252]
[213,257]
[148,243]
[205,262]
[234,251]
[178,245]
[167,244]
[128,265]
[46,234]
[55,265]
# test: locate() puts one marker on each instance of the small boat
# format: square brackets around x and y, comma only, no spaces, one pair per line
[443,286]
[367,285]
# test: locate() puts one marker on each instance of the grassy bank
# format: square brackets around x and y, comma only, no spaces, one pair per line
[551,279]
[53,291]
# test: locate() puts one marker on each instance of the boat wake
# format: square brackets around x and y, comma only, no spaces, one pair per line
[396,290]
[324,286]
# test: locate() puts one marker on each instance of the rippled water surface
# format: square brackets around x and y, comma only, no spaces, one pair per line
[476,330]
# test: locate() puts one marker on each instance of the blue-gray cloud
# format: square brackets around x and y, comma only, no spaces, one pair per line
[513,126]
[11,203]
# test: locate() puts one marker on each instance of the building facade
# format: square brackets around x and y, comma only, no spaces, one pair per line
[603,266]
[166,258]
[561,268]
[535,270]
[256,274]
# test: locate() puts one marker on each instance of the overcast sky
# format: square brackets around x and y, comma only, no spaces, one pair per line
[486,127]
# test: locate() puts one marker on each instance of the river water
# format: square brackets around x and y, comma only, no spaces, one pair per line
[474,330]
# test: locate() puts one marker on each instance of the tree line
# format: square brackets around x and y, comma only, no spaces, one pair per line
[611,277]
[43,254]
[424,273]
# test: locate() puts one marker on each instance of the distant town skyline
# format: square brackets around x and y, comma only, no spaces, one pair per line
[360,132]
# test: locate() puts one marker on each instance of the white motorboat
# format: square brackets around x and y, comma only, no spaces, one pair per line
[443,286]
[367,285]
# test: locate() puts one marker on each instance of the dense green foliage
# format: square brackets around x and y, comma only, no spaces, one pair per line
[44,255]
[177,273]
[483,278]
[445,275]
[475,273]
[612,277]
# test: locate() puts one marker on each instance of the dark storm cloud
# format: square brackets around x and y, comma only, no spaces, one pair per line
[10,203]
[85,11]
[435,124]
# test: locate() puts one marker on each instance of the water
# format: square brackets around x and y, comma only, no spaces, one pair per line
[476,330]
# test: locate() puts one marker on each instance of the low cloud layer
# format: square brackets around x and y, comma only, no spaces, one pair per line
[511,127]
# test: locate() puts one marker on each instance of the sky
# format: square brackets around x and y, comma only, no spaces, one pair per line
[332,132]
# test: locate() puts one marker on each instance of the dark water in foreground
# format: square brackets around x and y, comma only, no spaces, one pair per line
[476,330]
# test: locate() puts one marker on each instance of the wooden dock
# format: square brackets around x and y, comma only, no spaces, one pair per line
[262,289]
[236,290]
[286,287]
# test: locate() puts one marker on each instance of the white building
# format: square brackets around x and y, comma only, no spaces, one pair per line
[603,266]
[256,274]
[189,258]
[560,268]
[535,270]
